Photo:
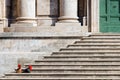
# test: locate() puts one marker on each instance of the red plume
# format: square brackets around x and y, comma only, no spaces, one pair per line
[19,65]
[30,67]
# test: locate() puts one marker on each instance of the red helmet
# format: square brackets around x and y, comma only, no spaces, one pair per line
[19,65]
[30,67]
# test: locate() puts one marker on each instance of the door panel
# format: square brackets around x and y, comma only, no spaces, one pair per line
[110,15]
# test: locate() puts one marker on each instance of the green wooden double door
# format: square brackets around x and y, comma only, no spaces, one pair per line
[109,15]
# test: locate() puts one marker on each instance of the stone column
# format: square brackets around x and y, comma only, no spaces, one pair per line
[3,20]
[0,9]
[27,12]
[68,21]
[68,11]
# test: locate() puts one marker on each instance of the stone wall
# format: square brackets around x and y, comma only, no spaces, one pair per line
[32,45]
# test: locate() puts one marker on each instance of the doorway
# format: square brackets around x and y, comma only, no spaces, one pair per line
[109,15]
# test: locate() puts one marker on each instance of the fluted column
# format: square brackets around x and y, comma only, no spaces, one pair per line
[27,12]
[68,11]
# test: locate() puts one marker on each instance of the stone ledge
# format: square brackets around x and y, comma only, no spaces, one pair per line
[42,35]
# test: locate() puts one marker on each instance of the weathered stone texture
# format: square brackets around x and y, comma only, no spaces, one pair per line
[31,45]
[35,42]
[47,8]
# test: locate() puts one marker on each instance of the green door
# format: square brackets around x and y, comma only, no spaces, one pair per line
[110,15]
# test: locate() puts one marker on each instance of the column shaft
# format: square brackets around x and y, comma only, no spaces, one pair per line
[68,11]
[3,20]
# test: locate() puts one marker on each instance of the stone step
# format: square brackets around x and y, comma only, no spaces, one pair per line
[82,59]
[91,46]
[74,71]
[94,45]
[104,48]
[82,56]
[65,75]
[86,53]
[61,64]
[73,77]
[78,63]
[77,60]
[82,64]
[80,78]
[105,34]
[97,51]
[83,53]
[98,41]
[98,44]
[102,38]
[78,66]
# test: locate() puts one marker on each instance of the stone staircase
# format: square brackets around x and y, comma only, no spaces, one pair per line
[96,57]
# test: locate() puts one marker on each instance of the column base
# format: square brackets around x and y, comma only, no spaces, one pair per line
[68,24]
[68,19]
[26,21]
[69,27]
[46,21]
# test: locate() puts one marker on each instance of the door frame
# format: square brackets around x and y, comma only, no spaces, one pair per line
[95,16]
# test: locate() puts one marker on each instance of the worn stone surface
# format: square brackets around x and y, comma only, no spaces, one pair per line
[40,35]
[31,45]
[69,30]
[47,8]
[26,47]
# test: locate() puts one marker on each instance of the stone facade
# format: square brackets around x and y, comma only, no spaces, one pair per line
[31,29]
[50,13]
